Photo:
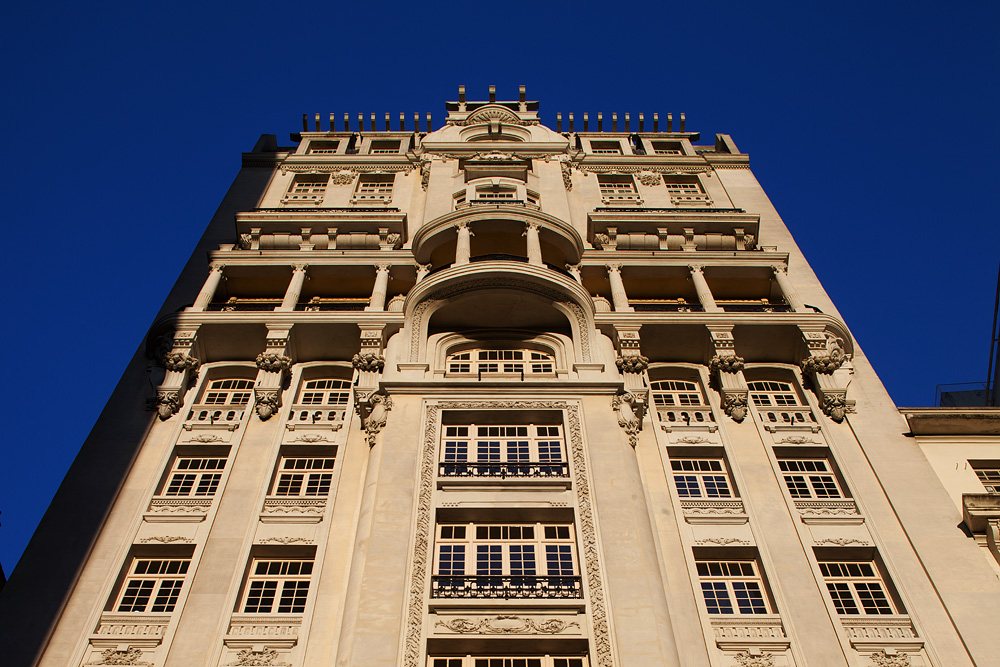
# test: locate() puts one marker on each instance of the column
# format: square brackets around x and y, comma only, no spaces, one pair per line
[377,302]
[574,270]
[463,247]
[208,290]
[618,295]
[788,290]
[294,289]
[534,248]
[422,271]
[701,287]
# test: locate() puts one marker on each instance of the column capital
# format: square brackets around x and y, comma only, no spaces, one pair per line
[300,267]
[383,267]
[696,268]
[216,266]
[531,224]
[614,268]
[462,224]
[778,268]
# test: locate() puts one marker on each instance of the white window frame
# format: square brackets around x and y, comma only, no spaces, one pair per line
[194,476]
[686,193]
[228,391]
[618,188]
[665,151]
[385,151]
[308,188]
[504,450]
[606,150]
[303,477]
[374,188]
[773,394]
[324,147]
[281,581]
[732,587]
[497,361]
[701,478]
[677,394]
[155,589]
[810,478]
[857,588]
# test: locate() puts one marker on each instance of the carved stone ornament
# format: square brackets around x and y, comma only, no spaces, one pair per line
[735,406]
[166,539]
[883,659]
[345,177]
[749,242]
[311,438]
[567,175]
[373,408]
[823,364]
[835,407]
[744,659]
[647,178]
[129,656]
[273,362]
[693,440]
[167,404]
[799,440]
[633,364]
[268,402]
[267,656]
[180,362]
[842,541]
[631,408]
[245,241]
[507,624]
[729,363]
[425,174]
[372,362]
[285,540]
[722,541]
[489,112]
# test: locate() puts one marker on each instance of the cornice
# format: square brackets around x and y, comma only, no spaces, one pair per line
[311,257]
[459,390]
[674,215]
[465,149]
[287,319]
[670,258]
[318,216]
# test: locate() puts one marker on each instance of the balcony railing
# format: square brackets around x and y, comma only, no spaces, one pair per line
[317,414]
[242,304]
[217,414]
[664,306]
[753,306]
[789,415]
[686,416]
[505,587]
[504,470]
[319,304]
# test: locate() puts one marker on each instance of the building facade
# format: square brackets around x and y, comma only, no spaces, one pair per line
[498,395]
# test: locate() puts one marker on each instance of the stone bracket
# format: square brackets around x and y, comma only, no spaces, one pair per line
[630,407]
[373,408]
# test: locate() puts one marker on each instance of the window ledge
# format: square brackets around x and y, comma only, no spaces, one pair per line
[135,626]
[735,632]
[836,512]
[173,510]
[873,633]
[293,510]
[713,511]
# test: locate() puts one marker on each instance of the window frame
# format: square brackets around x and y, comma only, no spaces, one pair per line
[295,599]
[202,484]
[618,188]
[152,585]
[317,472]
[734,590]
[804,484]
[240,387]
[858,594]
[466,451]
[374,188]
[702,479]
[307,188]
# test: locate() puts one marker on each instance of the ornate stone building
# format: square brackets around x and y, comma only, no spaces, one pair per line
[498,395]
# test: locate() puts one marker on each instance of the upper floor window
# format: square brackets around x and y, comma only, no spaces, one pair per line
[508,661]
[617,188]
[606,147]
[322,400]
[308,188]
[667,148]
[498,194]
[989,475]
[277,586]
[228,392]
[323,147]
[680,401]
[732,587]
[772,394]
[194,476]
[856,587]
[506,560]
[686,191]
[526,450]
[701,478]
[809,479]
[303,476]
[382,147]
[501,362]
[152,585]
[374,188]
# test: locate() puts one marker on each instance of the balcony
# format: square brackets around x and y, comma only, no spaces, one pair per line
[497,470]
[506,587]
[752,306]
[244,304]
[679,305]
[227,415]
[317,414]
[320,304]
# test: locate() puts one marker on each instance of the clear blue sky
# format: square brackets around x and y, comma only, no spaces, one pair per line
[871,125]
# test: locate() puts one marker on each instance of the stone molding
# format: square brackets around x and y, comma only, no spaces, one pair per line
[494,625]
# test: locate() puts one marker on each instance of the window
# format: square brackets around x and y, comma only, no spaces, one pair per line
[511,661]
[277,586]
[606,147]
[989,475]
[502,362]
[498,194]
[308,189]
[526,450]
[152,585]
[667,148]
[228,392]
[856,588]
[615,188]
[686,192]
[384,147]
[701,478]
[194,476]
[322,401]
[323,147]
[375,187]
[671,397]
[506,560]
[809,479]
[302,476]
[771,394]
[732,582]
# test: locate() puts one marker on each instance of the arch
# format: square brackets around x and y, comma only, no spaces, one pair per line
[443,345]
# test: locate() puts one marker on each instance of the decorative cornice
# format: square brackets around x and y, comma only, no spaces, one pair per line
[492,625]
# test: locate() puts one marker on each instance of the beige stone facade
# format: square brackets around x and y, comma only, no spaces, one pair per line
[498,395]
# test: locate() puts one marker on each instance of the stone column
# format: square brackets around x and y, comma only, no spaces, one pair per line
[422,271]
[618,295]
[463,247]
[294,289]
[208,290]
[574,270]
[705,297]
[788,290]
[534,247]
[377,301]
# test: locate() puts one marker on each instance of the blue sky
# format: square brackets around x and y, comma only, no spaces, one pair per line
[872,127]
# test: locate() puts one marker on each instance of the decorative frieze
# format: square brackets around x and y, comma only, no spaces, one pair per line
[265,656]
[506,624]
[141,626]
[129,656]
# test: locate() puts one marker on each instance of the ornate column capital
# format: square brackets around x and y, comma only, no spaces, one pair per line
[216,266]
[614,268]
[529,225]
[300,267]
[382,267]
[463,224]
[696,268]
[779,268]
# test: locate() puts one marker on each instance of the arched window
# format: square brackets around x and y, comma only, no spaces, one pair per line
[513,362]
[767,393]
[322,400]
[223,400]
[680,401]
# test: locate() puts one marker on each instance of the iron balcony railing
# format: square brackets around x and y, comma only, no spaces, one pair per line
[504,470]
[505,587]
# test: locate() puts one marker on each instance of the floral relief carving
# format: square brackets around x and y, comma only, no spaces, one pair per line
[311,437]
[647,178]
[129,656]
[494,625]
[693,440]
[205,437]
[180,362]
[273,362]
[842,541]
[265,657]
[371,362]
[285,540]
[567,176]
[726,363]
[799,440]
[883,659]
[166,539]
[744,659]
[632,364]
[345,177]
[722,541]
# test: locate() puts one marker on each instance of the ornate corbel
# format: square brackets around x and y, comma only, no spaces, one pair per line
[267,402]
[728,363]
[369,362]
[274,366]
[373,409]
[174,354]
[835,405]
[734,404]
[632,364]
[630,407]
[825,359]
[168,402]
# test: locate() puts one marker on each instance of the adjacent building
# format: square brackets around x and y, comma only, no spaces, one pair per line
[501,395]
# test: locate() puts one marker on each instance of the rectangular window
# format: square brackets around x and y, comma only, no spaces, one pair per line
[152,585]
[384,147]
[810,479]
[228,392]
[606,147]
[701,478]
[323,147]
[732,587]
[311,189]
[526,450]
[614,188]
[856,588]
[277,587]
[375,187]
[667,148]
[300,476]
[194,476]
[686,191]
[506,560]
[989,475]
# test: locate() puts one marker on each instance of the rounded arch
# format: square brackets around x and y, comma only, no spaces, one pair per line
[442,345]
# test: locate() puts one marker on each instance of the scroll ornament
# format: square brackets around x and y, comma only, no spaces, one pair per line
[727,364]
[272,362]
[372,362]
[631,408]
[632,364]
[736,407]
